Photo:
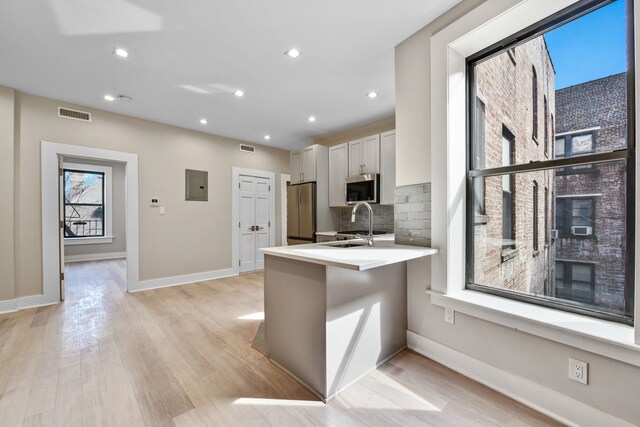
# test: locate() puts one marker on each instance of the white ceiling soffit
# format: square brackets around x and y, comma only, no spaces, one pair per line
[187,58]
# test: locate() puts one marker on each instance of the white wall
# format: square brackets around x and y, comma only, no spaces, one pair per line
[614,387]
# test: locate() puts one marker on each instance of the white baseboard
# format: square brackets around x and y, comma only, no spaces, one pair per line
[94,257]
[545,400]
[22,303]
[164,282]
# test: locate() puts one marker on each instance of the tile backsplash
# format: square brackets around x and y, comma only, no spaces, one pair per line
[412,215]
[382,218]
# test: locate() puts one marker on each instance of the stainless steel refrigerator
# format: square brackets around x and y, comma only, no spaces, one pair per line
[301,213]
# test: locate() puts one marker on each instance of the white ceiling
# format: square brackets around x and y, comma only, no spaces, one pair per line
[187,57]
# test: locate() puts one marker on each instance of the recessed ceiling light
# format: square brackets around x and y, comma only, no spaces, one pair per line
[203,121]
[312,119]
[372,95]
[109,98]
[121,52]
[239,92]
[267,137]
[293,52]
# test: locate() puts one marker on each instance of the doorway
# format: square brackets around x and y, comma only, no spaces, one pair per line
[53,250]
[253,215]
[92,200]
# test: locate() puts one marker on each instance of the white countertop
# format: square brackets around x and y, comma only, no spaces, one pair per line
[354,258]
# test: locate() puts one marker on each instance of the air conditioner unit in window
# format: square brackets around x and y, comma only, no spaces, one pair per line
[577,230]
[553,234]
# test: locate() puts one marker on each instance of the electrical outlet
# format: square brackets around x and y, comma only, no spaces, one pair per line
[578,370]
[449,315]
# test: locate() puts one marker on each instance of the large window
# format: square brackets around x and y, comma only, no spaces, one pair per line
[586,262]
[84,203]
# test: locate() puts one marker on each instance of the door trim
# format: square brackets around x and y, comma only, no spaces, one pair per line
[50,227]
[284,179]
[235,210]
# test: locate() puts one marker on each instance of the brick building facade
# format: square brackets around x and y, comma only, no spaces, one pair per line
[590,201]
[515,100]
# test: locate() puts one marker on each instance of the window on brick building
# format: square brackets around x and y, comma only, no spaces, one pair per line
[575,216]
[546,126]
[582,166]
[546,216]
[536,213]
[508,200]
[534,101]
[575,281]
[478,159]
[568,145]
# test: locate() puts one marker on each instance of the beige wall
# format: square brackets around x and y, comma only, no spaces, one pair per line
[372,128]
[7,267]
[613,386]
[192,237]
[118,216]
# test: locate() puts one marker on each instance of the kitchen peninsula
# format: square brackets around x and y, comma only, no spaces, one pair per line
[336,311]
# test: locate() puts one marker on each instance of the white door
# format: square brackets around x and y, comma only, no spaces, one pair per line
[61,224]
[255,223]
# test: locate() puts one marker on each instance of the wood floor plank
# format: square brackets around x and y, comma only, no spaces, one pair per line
[182,356]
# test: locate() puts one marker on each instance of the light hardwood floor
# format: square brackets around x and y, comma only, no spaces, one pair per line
[182,356]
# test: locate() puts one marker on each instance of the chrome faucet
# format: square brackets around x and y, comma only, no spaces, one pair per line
[368,238]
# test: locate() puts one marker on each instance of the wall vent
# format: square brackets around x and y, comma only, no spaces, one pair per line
[247,148]
[68,113]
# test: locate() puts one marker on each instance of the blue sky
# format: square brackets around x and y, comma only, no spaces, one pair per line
[590,47]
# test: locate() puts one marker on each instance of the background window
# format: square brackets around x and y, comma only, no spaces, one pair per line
[84,196]
[573,145]
[478,159]
[575,281]
[508,231]
[536,230]
[534,101]
[575,217]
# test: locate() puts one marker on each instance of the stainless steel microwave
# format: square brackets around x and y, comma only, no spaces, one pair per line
[363,188]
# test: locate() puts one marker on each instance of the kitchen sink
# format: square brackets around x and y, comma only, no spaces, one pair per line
[349,245]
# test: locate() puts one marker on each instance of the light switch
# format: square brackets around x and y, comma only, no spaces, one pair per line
[162,212]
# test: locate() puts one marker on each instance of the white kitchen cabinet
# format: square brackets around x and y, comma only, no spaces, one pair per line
[338,173]
[355,157]
[309,163]
[296,167]
[387,167]
[364,155]
[304,165]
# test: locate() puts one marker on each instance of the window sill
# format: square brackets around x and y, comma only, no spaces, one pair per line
[608,339]
[508,254]
[88,240]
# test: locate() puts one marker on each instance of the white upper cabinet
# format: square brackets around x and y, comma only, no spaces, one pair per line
[296,167]
[309,163]
[338,173]
[387,167]
[364,155]
[304,165]
[371,154]
[355,157]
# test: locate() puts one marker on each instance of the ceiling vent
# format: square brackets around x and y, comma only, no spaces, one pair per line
[68,113]
[247,148]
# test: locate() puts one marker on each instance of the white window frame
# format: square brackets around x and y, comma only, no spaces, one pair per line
[108,205]
[484,26]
